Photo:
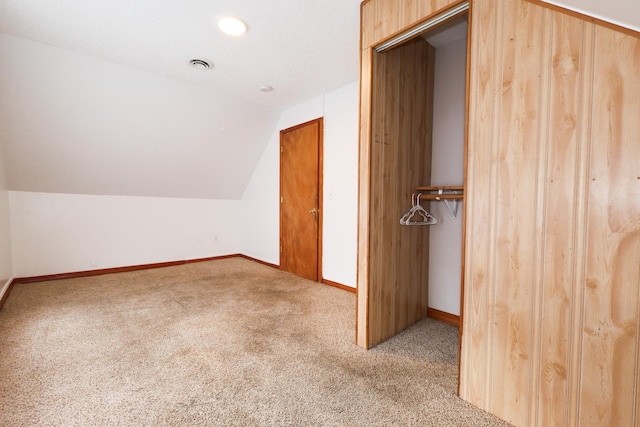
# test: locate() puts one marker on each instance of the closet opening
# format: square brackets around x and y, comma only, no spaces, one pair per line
[418,146]
[448,160]
[447,165]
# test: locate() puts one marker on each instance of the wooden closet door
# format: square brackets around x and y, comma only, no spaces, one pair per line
[400,147]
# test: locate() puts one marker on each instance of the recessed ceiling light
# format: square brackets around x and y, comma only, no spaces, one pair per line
[200,64]
[266,88]
[232,26]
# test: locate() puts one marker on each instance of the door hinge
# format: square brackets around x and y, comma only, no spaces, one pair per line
[282,148]
[281,199]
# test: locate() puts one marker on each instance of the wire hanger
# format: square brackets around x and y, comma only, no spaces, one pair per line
[423,217]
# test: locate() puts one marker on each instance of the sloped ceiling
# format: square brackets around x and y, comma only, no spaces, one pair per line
[76,124]
[621,12]
[97,96]
[300,47]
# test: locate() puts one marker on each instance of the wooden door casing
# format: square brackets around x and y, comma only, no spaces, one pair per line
[301,200]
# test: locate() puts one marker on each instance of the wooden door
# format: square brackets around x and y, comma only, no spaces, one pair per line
[300,200]
[393,294]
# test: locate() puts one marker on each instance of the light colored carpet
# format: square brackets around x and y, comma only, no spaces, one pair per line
[228,342]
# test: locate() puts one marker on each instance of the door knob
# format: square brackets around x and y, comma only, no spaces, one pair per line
[313,211]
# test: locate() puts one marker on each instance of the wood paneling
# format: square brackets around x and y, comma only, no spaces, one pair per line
[480,222]
[381,20]
[552,226]
[563,174]
[610,341]
[553,230]
[399,158]
[516,209]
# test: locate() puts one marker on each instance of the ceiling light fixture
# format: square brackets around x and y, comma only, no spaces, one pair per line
[266,88]
[200,64]
[232,26]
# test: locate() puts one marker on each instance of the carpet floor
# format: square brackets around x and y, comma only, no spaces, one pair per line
[221,343]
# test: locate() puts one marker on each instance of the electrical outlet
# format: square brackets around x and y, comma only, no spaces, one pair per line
[95,261]
[215,238]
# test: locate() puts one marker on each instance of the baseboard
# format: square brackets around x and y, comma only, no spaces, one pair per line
[449,318]
[6,289]
[102,271]
[87,273]
[212,258]
[268,264]
[324,281]
[339,285]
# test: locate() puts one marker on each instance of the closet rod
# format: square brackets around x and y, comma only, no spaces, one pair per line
[442,196]
[446,188]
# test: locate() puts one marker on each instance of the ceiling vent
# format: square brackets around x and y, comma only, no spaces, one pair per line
[199,64]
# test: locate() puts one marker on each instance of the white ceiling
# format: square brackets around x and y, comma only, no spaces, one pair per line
[300,47]
[621,12]
[97,97]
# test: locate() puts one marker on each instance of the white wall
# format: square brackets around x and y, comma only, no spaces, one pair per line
[61,233]
[260,224]
[340,219]
[445,244]
[6,267]
[622,12]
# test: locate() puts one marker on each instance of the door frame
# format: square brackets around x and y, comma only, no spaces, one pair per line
[320,122]
[452,11]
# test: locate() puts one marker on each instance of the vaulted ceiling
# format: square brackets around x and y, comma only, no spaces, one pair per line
[98,97]
[299,47]
[625,13]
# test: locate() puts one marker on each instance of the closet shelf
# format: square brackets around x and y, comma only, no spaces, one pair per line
[449,192]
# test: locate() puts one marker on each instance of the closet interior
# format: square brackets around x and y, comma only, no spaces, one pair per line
[416,181]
